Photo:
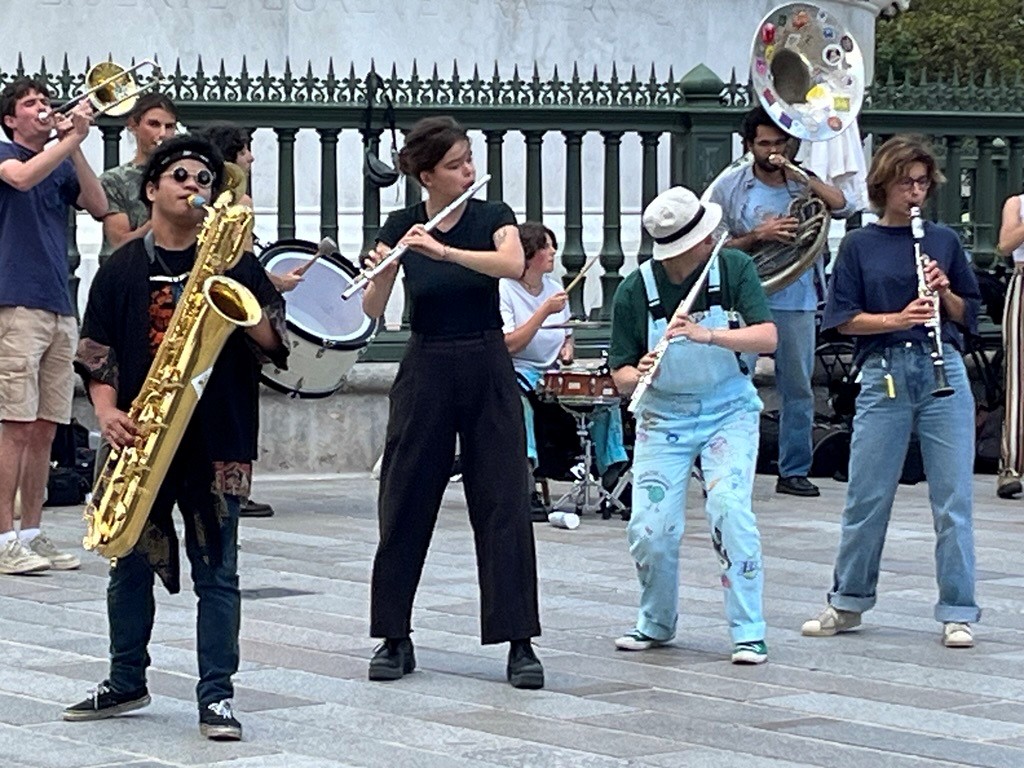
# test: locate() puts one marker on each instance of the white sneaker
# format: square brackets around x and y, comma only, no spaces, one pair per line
[637,641]
[59,561]
[831,621]
[16,558]
[957,635]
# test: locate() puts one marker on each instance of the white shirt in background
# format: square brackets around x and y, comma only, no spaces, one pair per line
[517,306]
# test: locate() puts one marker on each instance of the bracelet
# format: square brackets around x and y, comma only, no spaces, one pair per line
[445,252]
[711,337]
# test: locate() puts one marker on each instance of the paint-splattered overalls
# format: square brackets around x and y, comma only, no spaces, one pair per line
[700,403]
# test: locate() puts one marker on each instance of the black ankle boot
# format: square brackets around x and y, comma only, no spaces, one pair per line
[524,668]
[392,659]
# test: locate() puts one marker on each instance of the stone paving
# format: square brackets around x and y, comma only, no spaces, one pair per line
[887,696]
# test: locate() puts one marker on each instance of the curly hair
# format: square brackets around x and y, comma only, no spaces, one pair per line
[229,138]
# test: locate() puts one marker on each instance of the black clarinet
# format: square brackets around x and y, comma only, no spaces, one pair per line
[934,325]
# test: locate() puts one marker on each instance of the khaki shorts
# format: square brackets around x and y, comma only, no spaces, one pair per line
[37,377]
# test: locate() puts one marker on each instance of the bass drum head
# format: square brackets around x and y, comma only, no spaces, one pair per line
[328,333]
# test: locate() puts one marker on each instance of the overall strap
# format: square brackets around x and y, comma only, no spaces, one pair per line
[654,306]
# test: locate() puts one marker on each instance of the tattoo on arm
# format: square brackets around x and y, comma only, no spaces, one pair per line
[500,236]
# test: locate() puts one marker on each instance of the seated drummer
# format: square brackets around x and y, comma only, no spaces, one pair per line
[528,305]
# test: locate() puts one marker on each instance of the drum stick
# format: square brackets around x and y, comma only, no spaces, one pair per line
[327,246]
[582,272]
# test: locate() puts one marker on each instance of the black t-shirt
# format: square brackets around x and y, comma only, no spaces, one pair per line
[448,299]
[130,306]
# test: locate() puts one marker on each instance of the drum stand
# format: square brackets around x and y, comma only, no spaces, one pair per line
[588,494]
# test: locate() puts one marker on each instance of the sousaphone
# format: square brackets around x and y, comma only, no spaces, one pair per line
[807,71]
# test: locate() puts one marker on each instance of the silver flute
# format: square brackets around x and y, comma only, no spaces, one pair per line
[644,382]
[396,253]
[934,324]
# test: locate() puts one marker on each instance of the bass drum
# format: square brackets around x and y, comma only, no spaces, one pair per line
[328,334]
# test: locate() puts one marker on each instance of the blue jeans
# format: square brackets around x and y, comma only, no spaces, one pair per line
[794,364]
[131,610]
[881,434]
[725,435]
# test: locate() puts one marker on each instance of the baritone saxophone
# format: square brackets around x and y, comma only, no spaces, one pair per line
[210,309]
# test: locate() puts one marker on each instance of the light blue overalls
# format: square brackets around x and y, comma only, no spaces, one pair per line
[700,403]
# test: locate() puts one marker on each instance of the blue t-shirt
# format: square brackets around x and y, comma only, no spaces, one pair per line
[33,237]
[764,202]
[875,272]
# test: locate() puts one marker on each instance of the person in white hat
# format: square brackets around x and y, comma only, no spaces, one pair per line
[701,402]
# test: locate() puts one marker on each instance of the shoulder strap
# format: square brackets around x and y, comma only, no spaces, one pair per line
[654,306]
[715,284]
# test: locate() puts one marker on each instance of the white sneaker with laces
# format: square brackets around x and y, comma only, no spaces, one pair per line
[59,561]
[16,558]
[957,635]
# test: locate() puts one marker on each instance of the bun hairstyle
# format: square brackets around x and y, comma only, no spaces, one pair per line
[427,144]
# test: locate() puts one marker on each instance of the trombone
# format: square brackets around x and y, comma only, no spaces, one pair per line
[111,89]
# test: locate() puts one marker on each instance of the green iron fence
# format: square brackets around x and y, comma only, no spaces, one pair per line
[974,122]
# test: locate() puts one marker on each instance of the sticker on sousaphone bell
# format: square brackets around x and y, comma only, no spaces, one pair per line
[807,46]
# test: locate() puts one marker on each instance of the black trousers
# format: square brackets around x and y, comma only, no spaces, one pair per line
[444,388]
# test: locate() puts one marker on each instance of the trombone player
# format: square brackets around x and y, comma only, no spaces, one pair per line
[39,179]
[755,202]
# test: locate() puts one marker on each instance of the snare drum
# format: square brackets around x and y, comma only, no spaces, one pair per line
[328,334]
[580,386]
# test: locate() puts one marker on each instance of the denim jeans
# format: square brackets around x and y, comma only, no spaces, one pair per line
[671,432]
[881,434]
[131,610]
[794,364]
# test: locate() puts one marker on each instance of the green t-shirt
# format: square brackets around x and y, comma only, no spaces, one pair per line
[741,292]
[122,185]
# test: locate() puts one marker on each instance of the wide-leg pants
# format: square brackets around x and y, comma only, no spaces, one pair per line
[447,387]
[1012,459]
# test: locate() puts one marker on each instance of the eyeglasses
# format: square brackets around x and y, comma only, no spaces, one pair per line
[908,183]
[769,144]
[202,177]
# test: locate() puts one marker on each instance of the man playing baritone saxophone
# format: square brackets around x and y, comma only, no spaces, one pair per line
[755,202]
[131,302]
[700,402]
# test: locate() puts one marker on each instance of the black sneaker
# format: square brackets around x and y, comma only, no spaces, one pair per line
[796,486]
[1008,487]
[392,659]
[217,722]
[524,668]
[104,702]
[250,508]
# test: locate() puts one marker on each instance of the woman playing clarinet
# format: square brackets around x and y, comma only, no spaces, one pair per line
[456,379]
[880,298]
